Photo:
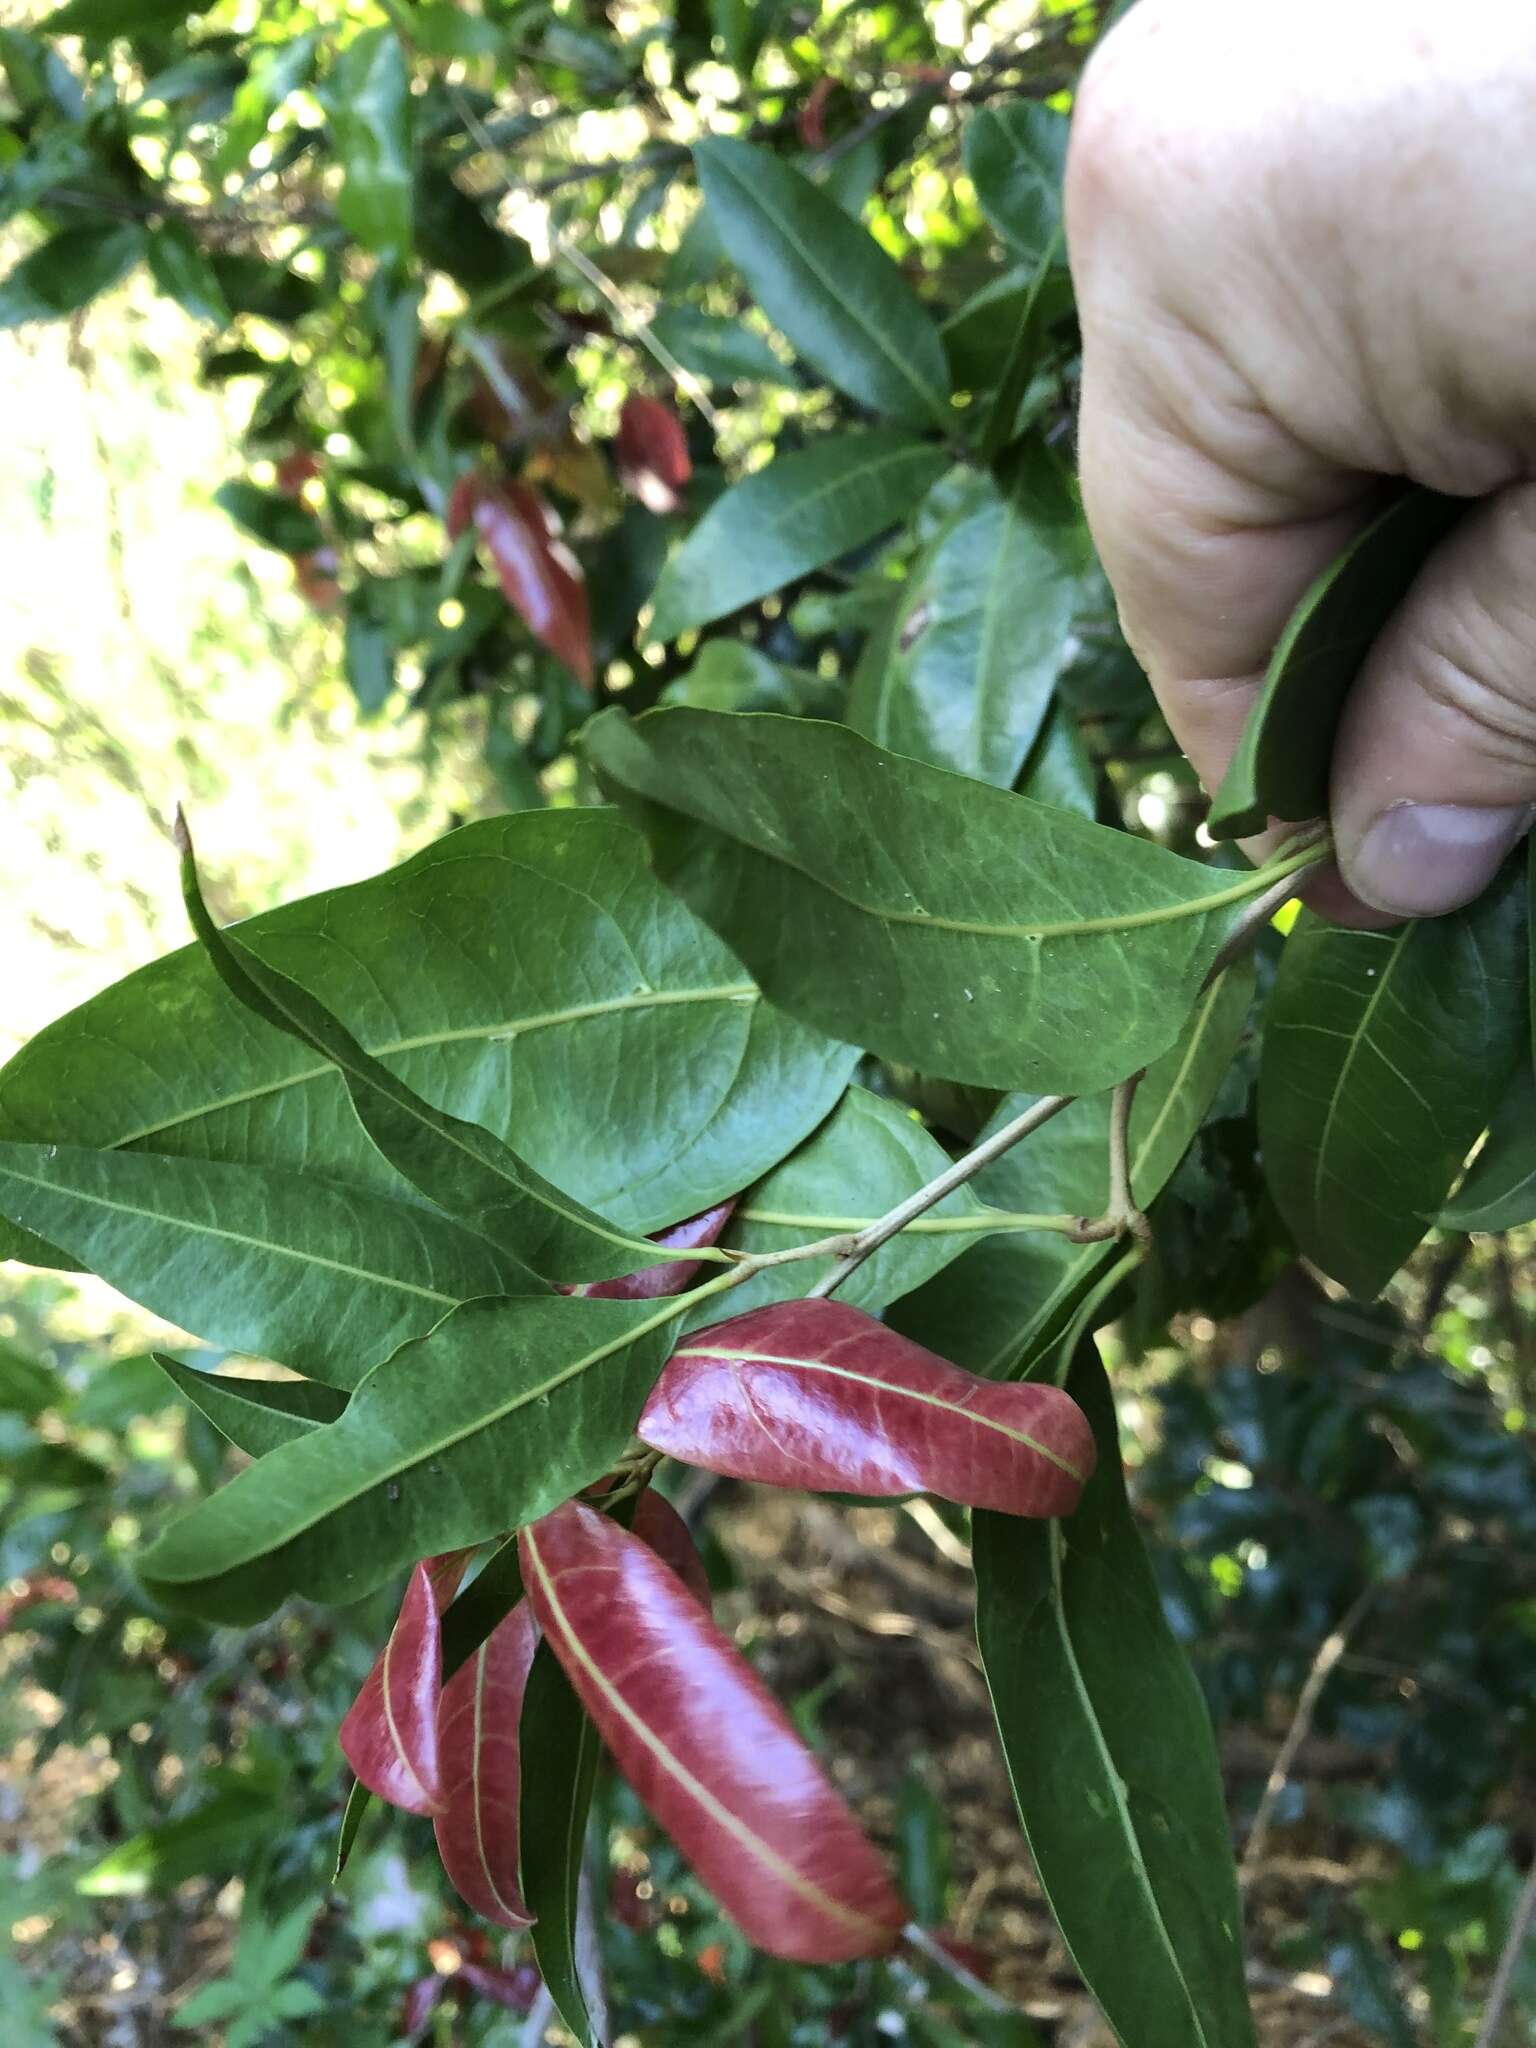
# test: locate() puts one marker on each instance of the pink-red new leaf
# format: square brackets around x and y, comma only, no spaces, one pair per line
[818,1395]
[659,1524]
[705,1745]
[478,1734]
[540,577]
[389,1736]
[671,1276]
[652,451]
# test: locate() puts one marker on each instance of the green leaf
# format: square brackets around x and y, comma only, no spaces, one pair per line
[1016,154]
[720,351]
[454,235]
[1060,769]
[986,626]
[1110,1751]
[183,272]
[1282,763]
[270,517]
[526,973]
[26,1387]
[1009,1301]
[55,157]
[868,892]
[466,1170]
[869,1155]
[826,284]
[732,675]
[793,516]
[100,19]
[352,1813]
[255,1415]
[1385,1054]
[368,650]
[503,1411]
[219,1837]
[277,71]
[560,1752]
[325,1279]
[68,271]
[368,101]
[1499,1192]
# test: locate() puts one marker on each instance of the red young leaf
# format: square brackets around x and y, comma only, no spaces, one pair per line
[705,1744]
[477,1731]
[659,1524]
[541,578]
[419,2004]
[672,1275]
[818,1395]
[652,451]
[389,1736]
[516,1989]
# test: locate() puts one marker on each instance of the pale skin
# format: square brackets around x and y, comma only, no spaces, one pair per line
[1303,234]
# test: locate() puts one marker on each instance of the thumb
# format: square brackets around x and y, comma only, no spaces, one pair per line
[1434,774]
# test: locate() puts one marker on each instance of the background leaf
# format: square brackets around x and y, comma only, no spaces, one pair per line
[75,266]
[1015,155]
[368,100]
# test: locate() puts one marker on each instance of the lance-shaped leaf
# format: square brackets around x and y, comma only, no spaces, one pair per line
[540,576]
[868,892]
[1114,1768]
[517,967]
[1282,763]
[825,282]
[1385,1054]
[652,453]
[986,628]
[870,1154]
[796,514]
[255,1415]
[705,1746]
[328,1280]
[368,100]
[819,1395]
[504,1410]
[390,1733]
[672,1275]
[477,1834]
[461,1166]
[1010,1299]
[552,1829]
[1015,155]
[1499,1192]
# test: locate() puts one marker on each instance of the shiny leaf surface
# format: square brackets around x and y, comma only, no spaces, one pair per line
[658,1523]
[859,886]
[476,1829]
[519,966]
[825,283]
[1114,1768]
[390,1733]
[539,575]
[818,1395]
[705,1746]
[1385,1054]
[800,512]
[326,1279]
[504,1410]
[1282,763]
[652,453]
[671,1276]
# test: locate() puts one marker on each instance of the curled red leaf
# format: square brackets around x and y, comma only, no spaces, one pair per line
[671,1276]
[652,452]
[705,1745]
[477,1724]
[540,577]
[818,1395]
[389,1736]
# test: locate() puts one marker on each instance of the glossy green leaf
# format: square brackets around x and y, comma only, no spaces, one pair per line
[466,1170]
[75,266]
[503,1411]
[326,1279]
[183,272]
[1016,154]
[526,973]
[561,1754]
[870,1154]
[358,1800]
[798,513]
[1499,1192]
[1113,1764]
[1282,763]
[985,628]
[719,350]
[255,1415]
[825,283]
[869,892]
[1385,1054]
[1009,1300]
[270,517]
[368,100]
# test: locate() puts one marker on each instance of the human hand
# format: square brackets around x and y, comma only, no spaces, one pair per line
[1301,237]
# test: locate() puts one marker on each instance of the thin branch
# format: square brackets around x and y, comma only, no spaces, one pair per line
[1509,1961]
[1331,1650]
[1123,1212]
[934,1952]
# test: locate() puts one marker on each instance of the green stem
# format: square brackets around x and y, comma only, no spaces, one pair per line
[978,1224]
